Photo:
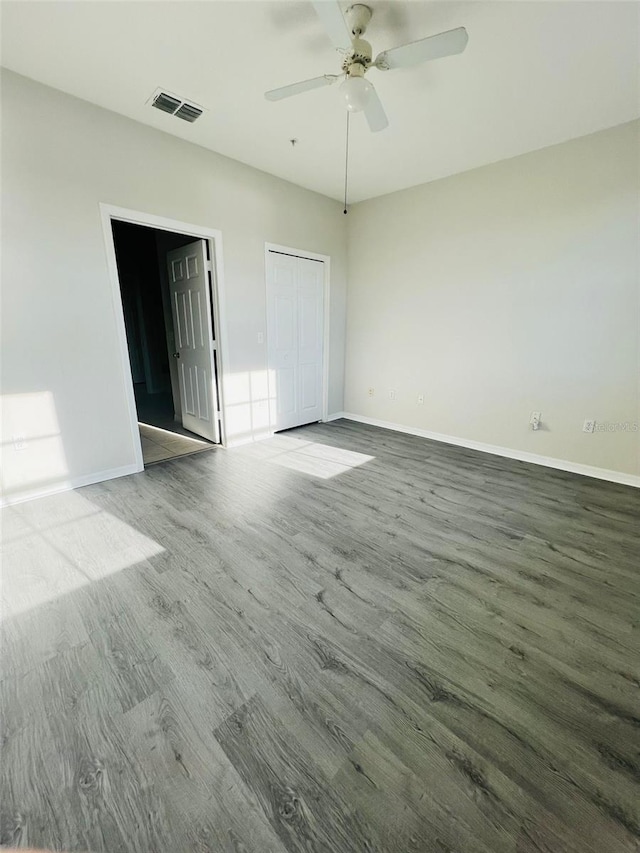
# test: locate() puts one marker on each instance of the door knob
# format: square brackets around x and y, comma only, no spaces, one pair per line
[176,355]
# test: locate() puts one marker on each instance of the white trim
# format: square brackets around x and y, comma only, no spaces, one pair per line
[326,260]
[118,310]
[335,417]
[220,325]
[213,236]
[69,485]
[509,453]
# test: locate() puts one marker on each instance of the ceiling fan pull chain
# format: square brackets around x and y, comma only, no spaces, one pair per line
[346,163]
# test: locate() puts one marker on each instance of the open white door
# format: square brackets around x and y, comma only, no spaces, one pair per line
[295,328]
[194,340]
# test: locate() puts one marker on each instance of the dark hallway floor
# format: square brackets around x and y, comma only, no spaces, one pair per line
[157,410]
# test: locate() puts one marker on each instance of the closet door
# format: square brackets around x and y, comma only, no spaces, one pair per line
[295,323]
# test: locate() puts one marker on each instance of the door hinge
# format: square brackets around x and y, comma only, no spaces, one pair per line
[209,266]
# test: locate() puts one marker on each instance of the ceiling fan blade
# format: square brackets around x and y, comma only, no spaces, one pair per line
[298,88]
[433,47]
[334,23]
[375,114]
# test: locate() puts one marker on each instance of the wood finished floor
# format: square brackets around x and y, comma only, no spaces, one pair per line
[342,639]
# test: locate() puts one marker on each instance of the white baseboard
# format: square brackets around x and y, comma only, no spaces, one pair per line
[509,453]
[495,450]
[68,485]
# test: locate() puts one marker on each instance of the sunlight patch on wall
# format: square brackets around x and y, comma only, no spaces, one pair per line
[247,405]
[33,455]
[60,544]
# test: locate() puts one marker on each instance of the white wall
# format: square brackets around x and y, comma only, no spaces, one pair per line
[504,290]
[63,382]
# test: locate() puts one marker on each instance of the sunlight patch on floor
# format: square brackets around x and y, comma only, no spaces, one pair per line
[307,457]
[61,543]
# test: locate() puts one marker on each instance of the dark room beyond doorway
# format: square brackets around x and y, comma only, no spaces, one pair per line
[141,255]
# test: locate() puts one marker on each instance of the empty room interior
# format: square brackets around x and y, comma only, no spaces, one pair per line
[320,426]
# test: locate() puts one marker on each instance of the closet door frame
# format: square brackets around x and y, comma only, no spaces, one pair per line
[326,261]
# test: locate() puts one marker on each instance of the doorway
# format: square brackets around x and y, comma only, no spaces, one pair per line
[166,286]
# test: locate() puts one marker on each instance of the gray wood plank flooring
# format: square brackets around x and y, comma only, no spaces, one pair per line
[340,639]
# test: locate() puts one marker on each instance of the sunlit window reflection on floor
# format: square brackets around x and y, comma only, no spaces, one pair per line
[307,457]
[61,543]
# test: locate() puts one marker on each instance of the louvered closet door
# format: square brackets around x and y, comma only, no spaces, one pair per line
[295,323]
[194,341]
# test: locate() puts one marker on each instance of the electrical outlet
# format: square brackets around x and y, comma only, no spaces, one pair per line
[392,395]
[535,419]
[589,426]
[372,391]
[420,399]
[260,337]
[19,442]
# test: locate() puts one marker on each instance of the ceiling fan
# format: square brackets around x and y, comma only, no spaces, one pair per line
[358,93]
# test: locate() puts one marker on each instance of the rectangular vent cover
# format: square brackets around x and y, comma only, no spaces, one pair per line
[175,106]
[188,112]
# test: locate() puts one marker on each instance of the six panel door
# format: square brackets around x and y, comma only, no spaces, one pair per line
[194,340]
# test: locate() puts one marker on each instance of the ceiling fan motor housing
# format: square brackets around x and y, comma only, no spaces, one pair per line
[360,56]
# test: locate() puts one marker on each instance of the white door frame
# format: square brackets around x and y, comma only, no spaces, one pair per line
[109,213]
[326,260]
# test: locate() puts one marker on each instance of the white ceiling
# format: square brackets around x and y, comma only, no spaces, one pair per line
[533,74]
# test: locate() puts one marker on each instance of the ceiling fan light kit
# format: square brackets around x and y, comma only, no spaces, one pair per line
[356,92]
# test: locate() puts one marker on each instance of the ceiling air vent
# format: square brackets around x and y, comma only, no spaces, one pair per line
[175,106]
[188,112]
[166,103]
